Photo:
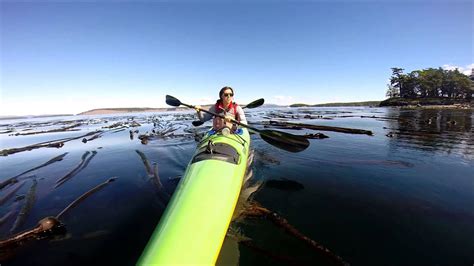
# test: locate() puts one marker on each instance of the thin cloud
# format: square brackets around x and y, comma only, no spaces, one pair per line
[467,70]
[206,100]
[283,100]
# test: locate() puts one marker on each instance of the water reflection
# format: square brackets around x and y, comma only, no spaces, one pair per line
[447,131]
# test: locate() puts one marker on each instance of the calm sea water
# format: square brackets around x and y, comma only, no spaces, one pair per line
[404,196]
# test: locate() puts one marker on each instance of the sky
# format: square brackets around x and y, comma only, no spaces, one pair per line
[66,57]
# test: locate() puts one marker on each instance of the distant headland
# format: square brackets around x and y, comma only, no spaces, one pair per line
[106,111]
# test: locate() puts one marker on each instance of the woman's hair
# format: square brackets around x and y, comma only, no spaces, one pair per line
[223,89]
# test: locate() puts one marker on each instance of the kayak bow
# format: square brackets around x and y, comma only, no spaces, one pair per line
[193,226]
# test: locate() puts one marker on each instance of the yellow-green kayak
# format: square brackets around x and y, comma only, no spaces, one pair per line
[193,227]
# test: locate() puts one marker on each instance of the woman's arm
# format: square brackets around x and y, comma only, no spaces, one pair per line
[203,117]
[241,113]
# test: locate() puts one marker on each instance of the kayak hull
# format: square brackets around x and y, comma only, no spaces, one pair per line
[195,222]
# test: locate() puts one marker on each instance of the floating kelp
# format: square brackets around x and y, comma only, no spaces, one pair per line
[9,214]
[12,192]
[47,227]
[118,130]
[156,178]
[123,124]
[6,131]
[315,136]
[48,144]
[143,139]
[289,125]
[73,171]
[145,162]
[31,147]
[100,133]
[27,206]
[165,196]
[84,196]
[380,117]
[134,124]
[15,178]
[247,207]
[258,211]
[63,129]
[95,234]
[114,125]
[83,164]
[96,136]
[394,163]
[164,131]
[316,117]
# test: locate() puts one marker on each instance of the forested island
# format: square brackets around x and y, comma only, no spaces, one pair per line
[429,87]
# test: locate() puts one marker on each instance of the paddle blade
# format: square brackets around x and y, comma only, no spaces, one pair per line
[255,103]
[170,100]
[285,141]
[197,123]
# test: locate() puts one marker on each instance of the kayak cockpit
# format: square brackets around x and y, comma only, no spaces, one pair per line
[217,151]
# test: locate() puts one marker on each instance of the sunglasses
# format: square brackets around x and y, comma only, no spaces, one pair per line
[228,94]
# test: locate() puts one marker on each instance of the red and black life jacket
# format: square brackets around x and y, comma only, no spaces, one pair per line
[231,110]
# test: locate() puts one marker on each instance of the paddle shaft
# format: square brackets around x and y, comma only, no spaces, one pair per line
[221,116]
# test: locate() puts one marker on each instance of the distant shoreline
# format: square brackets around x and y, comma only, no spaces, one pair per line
[431,103]
[107,111]
[7,117]
[428,103]
[341,104]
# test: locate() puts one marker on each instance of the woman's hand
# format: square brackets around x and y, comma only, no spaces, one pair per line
[198,108]
[228,119]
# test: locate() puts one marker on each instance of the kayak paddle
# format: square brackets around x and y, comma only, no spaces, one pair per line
[253,104]
[279,139]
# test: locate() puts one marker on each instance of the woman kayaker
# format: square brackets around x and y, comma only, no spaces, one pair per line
[226,107]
